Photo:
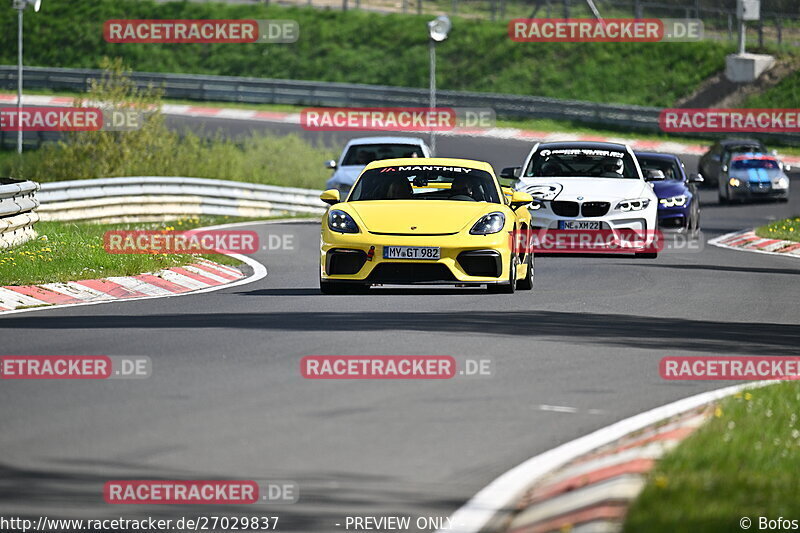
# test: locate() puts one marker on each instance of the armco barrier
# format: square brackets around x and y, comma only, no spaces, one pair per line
[152,198]
[311,93]
[329,94]
[17,212]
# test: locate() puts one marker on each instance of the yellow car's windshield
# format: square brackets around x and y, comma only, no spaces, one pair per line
[426,182]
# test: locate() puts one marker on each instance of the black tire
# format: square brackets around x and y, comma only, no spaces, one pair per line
[646,255]
[526,283]
[506,288]
[693,227]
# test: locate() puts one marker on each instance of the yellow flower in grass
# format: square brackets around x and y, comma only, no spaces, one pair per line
[718,412]
[661,481]
[748,396]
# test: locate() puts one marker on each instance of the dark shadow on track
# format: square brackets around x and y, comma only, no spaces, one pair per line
[724,268]
[667,333]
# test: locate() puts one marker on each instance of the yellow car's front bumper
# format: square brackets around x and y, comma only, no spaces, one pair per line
[346,257]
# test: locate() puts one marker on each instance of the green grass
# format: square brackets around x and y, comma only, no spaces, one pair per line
[334,46]
[743,463]
[787,229]
[66,251]
[784,95]
[267,159]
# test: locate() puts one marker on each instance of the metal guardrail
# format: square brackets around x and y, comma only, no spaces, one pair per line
[311,93]
[151,198]
[17,212]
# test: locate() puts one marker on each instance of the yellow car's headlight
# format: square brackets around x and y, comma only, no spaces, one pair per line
[340,221]
[488,224]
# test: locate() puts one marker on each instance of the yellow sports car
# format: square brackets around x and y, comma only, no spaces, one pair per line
[425,220]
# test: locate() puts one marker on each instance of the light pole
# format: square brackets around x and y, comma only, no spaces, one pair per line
[438,29]
[20,6]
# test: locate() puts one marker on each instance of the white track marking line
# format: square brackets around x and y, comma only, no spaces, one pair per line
[503,492]
[557,408]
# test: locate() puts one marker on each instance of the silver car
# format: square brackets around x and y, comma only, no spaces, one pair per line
[364,150]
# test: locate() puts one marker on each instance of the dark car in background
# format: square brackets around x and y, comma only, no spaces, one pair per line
[678,201]
[711,163]
[753,176]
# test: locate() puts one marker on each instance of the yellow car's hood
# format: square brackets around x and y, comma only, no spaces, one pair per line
[425,216]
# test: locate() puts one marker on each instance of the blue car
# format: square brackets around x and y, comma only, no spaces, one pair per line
[678,200]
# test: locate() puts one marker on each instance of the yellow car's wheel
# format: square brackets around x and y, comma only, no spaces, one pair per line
[506,288]
[526,283]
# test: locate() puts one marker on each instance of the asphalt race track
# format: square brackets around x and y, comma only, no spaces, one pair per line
[226,399]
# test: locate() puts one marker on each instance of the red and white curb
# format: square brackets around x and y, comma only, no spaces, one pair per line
[495,133]
[592,493]
[748,241]
[200,276]
[489,509]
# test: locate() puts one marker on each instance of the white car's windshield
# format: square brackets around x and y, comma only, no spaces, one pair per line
[581,162]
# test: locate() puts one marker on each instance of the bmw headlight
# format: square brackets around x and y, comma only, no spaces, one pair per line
[733,182]
[340,221]
[674,201]
[488,224]
[781,183]
[634,204]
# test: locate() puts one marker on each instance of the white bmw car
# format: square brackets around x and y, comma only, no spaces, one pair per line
[589,186]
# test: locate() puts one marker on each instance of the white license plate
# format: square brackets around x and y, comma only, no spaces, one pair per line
[578,224]
[411,252]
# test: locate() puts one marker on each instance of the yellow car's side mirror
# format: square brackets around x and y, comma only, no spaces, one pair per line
[520,198]
[330,197]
